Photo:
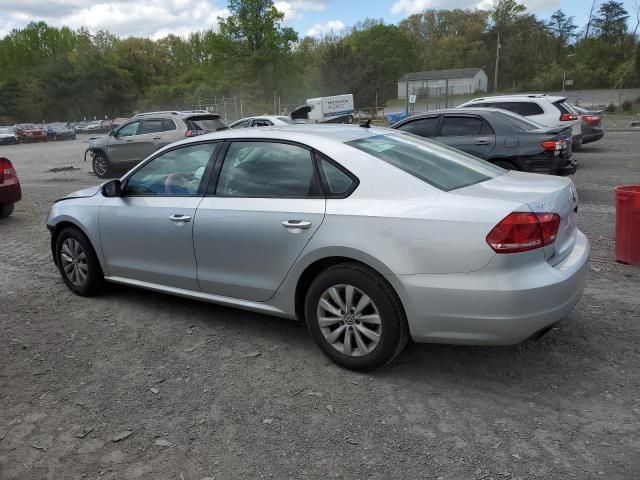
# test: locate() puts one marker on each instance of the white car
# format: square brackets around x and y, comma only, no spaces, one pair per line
[262,121]
[546,110]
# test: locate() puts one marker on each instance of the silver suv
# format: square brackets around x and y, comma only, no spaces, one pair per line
[143,134]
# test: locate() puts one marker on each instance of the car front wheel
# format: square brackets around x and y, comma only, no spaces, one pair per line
[101,165]
[355,317]
[78,263]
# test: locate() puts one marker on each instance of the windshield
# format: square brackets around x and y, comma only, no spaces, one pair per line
[286,120]
[431,162]
[519,121]
[208,123]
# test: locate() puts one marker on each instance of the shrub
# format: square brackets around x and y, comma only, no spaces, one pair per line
[611,108]
[627,106]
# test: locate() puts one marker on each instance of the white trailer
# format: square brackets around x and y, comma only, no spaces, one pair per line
[333,109]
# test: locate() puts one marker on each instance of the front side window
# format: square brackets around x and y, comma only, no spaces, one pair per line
[129,129]
[267,170]
[443,167]
[423,127]
[174,173]
[151,125]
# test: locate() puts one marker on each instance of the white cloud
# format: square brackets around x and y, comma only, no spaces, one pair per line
[153,18]
[410,7]
[293,9]
[320,29]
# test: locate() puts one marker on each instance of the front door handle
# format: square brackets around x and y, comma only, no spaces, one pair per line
[296,224]
[483,141]
[179,218]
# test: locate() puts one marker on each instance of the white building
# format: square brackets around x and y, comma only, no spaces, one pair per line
[459,81]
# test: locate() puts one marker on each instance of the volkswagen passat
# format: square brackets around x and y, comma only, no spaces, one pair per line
[371,236]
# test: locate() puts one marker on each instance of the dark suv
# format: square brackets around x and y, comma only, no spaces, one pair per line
[143,134]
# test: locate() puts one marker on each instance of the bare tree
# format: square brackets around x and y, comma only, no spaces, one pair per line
[586,30]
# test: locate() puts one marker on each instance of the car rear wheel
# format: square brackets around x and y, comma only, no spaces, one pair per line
[506,164]
[355,317]
[101,165]
[78,263]
[6,209]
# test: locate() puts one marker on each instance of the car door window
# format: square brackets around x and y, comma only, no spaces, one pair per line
[424,127]
[267,170]
[129,129]
[526,109]
[177,172]
[151,125]
[461,126]
[261,122]
[486,129]
[168,125]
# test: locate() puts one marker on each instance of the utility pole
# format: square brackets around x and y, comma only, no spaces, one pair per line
[495,74]
[275,104]
[446,92]
[406,94]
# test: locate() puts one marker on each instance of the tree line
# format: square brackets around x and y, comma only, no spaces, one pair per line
[51,73]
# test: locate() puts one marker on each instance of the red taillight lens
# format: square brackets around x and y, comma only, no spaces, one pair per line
[553,145]
[194,133]
[592,119]
[567,117]
[6,170]
[522,231]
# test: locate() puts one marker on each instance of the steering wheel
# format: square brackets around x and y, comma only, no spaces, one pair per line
[176,183]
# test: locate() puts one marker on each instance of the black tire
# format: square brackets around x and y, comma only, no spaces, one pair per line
[6,209]
[506,164]
[94,279]
[101,166]
[394,331]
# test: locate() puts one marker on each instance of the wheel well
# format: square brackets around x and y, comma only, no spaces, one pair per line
[56,231]
[319,266]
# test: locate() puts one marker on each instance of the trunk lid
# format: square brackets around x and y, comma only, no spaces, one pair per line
[537,193]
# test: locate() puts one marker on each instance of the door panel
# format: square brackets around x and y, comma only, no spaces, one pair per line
[121,147]
[141,242]
[243,250]
[472,135]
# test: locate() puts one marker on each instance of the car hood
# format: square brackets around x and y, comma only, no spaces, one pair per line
[7,135]
[84,193]
[98,141]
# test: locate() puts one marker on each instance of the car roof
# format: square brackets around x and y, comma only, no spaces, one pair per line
[307,134]
[457,110]
[170,113]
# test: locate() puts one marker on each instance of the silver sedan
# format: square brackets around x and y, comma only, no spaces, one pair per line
[371,236]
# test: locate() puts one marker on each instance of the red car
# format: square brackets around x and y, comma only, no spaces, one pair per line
[28,132]
[10,192]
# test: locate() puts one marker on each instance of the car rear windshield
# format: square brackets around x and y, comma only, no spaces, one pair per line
[433,163]
[518,121]
[208,123]
[286,120]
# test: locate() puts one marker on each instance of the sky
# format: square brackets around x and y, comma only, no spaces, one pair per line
[157,18]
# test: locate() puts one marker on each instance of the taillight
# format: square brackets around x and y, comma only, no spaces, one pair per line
[592,119]
[194,133]
[522,231]
[567,117]
[6,170]
[554,145]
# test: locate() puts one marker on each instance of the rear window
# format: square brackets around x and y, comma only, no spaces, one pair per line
[443,167]
[207,123]
[286,120]
[518,122]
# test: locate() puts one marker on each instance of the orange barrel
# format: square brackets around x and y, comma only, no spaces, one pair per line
[628,224]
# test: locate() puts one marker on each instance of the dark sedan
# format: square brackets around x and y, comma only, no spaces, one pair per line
[500,137]
[592,129]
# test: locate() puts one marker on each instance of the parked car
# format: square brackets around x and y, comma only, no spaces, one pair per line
[498,136]
[262,121]
[80,127]
[95,127]
[543,109]
[370,235]
[59,131]
[592,129]
[28,133]
[144,134]
[10,192]
[8,136]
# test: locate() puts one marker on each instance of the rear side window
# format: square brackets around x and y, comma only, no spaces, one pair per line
[461,126]
[151,125]
[443,167]
[206,123]
[168,125]
[338,183]
[261,122]
[527,109]
[423,127]
[564,108]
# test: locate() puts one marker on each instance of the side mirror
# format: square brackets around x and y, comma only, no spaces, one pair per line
[112,133]
[112,188]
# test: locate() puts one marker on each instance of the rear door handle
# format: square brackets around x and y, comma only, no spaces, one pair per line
[296,224]
[483,141]
[179,218]
[157,138]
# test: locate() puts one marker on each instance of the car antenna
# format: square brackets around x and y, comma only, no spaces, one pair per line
[366,124]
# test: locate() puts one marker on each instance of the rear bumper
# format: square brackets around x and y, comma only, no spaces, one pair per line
[10,193]
[493,306]
[592,137]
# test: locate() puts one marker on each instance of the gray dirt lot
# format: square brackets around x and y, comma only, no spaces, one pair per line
[207,391]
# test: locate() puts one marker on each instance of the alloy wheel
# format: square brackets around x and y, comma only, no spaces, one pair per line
[349,320]
[74,262]
[99,165]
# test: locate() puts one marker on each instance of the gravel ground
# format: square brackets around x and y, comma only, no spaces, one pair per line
[133,384]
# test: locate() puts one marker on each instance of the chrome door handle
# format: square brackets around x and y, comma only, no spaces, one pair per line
[179,218]
[296,224]
[483,141]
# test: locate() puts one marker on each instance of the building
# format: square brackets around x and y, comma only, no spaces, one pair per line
[459,81]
